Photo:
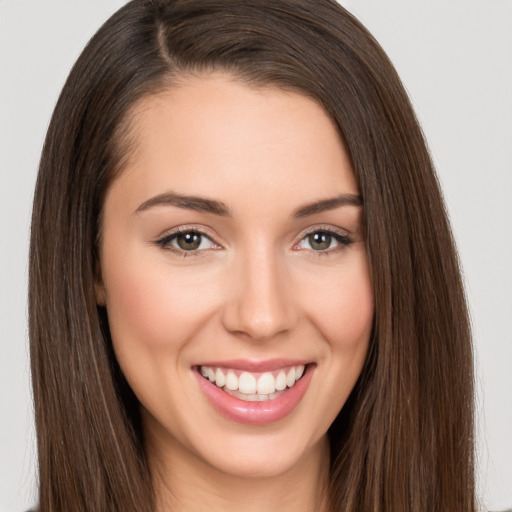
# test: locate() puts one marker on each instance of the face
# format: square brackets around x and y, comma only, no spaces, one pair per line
[234,273]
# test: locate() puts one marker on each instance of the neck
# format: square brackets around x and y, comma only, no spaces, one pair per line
[183,482]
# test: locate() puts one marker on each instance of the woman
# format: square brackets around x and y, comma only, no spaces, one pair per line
[243,286]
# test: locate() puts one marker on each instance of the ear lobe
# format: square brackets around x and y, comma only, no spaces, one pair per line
[99,290]
[99,287]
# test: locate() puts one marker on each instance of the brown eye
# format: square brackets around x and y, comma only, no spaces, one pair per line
[324,241]
[189,241]
[320,241]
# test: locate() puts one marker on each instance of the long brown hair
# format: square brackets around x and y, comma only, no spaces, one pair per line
[404,439]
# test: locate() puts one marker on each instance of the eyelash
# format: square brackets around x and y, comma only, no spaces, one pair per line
[165,241]
[343,240]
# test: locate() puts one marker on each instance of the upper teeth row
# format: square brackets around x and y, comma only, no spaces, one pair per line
[249,383]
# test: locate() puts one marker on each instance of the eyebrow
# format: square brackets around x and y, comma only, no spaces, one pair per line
[328,204]
[203,204]
[200,204]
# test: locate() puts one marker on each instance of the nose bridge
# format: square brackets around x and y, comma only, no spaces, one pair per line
[260,304]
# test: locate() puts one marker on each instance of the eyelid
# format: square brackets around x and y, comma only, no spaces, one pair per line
[326,228]
[323,227]
[163,240]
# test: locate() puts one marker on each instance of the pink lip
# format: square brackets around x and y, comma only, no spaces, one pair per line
[249,365]
[255,413]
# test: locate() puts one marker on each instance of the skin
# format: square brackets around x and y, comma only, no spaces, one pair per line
[255,289]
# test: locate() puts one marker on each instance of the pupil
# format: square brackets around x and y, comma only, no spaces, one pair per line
[189,241]
[320,241]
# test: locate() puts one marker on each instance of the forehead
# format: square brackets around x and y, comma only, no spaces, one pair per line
[216,136]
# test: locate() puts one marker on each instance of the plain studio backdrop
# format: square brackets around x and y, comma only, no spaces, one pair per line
[455,58]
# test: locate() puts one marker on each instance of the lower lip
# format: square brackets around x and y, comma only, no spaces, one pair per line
[256,413]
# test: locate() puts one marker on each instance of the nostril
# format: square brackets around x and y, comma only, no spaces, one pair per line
[260,323]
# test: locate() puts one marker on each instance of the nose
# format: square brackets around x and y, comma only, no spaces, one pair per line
[260,303]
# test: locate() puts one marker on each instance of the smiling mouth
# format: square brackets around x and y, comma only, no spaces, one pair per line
[253,386]
[255,392]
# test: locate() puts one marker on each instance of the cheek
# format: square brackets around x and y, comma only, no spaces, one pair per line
[351,313]
[153,306]
[344,307]
[153,311]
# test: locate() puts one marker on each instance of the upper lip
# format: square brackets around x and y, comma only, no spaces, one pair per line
[251,365]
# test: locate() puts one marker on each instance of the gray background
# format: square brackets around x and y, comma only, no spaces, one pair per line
[455,57]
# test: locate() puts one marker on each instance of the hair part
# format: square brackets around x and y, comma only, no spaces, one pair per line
[404,439]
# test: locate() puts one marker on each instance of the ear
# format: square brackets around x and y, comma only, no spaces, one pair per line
[99,287]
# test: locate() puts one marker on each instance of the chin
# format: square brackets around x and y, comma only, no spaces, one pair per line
[264,456]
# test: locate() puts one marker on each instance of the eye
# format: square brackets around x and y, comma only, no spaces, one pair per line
[323,241]
[187,241]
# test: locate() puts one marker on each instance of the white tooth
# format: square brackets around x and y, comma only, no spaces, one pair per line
[266,384]
[251,398]
[204,371]
[262,398]
[247,384]
[220,378]
[231,381]
[211,374]
[299,371]
[290,379]
[281,381]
